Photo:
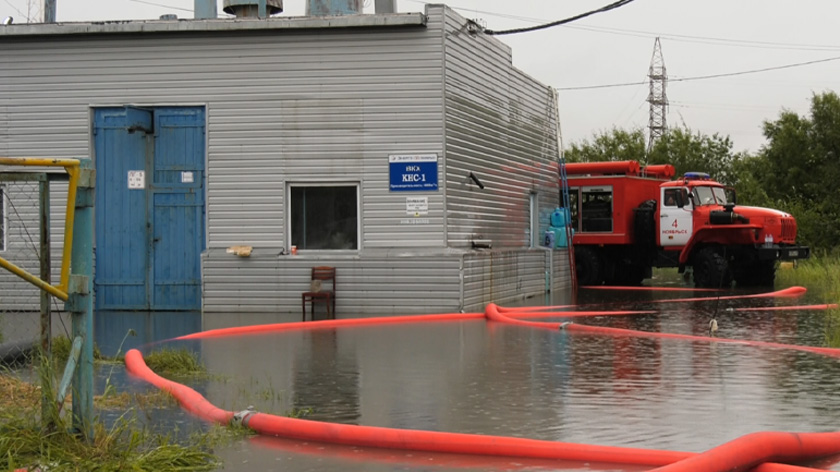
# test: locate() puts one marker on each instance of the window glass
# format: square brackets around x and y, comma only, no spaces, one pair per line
[573,207]
[704,196]
[720,195]
[671,197]
[596,209]
[324,217]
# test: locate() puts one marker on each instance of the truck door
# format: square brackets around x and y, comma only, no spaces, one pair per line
[675,218]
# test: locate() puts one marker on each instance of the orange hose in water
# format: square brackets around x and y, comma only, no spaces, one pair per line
[390,438]
[753,450]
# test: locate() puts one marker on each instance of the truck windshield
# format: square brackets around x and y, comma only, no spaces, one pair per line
[710,195]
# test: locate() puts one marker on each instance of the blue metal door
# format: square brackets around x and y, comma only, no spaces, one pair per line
[177,202]
[149,207]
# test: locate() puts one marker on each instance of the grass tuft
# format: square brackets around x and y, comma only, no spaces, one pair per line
[175,362]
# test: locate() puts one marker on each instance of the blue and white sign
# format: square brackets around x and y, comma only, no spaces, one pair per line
[413,172]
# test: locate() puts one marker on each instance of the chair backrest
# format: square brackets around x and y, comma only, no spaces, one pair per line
[324,273]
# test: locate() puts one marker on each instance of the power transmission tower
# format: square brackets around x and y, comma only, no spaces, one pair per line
[658,98]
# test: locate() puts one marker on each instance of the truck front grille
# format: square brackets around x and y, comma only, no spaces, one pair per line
[788,229]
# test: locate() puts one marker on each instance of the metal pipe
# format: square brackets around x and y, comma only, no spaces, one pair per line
[49,11]
[205,10]
[385,6]
[72,168]
[45,275]
[32,279]
[81,300]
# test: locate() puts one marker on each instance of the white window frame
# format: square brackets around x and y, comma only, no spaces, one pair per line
[311,184]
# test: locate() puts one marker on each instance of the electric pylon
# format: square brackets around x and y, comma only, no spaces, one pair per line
[658,97]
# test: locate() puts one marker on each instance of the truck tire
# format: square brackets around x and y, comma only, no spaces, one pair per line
[630,275]
[588,266]
[711,270]
[644,224]
[756,274]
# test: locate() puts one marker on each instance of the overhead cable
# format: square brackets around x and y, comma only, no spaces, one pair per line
[611,6]
[704,77]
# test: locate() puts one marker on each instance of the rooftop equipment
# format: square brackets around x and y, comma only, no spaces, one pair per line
[334,7]
[251,8]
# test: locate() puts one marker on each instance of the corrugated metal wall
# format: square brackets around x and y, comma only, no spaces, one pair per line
[380,283]
[316,106]
[500,125]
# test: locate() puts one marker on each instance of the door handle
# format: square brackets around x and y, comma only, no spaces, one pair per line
[156,240]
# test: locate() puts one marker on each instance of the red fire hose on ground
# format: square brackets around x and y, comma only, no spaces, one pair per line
[754,451]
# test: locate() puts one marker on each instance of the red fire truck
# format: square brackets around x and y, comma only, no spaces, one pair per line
[629,219]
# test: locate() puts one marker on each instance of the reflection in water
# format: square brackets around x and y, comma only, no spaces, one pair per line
[111,328]
[490,378]
[326,379]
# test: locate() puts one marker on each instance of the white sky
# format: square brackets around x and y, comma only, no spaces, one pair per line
[699,37]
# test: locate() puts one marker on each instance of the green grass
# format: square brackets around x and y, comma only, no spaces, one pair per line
[821,275]
[176,362]
[26,441]
[122,447]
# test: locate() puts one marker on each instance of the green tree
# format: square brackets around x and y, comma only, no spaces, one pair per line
[801,168]
[689,151]
[614,145]
[685,150]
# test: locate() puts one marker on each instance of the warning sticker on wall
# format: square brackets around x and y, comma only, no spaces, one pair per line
[136,179]
[417,206]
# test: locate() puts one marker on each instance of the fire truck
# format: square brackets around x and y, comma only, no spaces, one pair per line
[628,219]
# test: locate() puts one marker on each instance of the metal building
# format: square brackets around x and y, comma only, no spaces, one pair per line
[402,148]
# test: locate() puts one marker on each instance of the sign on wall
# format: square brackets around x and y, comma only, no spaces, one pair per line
[136,179]
[417,206]
[413,172]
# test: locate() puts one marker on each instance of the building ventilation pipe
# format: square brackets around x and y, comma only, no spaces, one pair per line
[205,9]
[386,6]
[251,8]
[334,7]
[49,11]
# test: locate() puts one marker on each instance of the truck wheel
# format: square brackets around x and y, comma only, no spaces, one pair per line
[624,273]
[757,274]
[631,275]
[711,269]
[587,266]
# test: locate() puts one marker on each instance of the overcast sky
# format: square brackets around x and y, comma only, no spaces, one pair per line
[699,38]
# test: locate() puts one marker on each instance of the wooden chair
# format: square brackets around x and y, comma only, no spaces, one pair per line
[319,293]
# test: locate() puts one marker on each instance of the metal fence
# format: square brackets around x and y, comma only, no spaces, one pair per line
[25,310]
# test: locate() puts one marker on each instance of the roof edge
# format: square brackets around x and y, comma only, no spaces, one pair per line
[235,24]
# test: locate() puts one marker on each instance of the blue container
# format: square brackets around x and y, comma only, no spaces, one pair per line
[548,241]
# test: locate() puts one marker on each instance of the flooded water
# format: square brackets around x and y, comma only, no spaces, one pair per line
[496,379]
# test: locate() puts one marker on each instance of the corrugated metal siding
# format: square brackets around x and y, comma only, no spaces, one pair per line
[378,284]
[283,107]
[314,106]
[501,125]
[503,277]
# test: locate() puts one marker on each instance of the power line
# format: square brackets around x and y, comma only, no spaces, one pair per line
[744,43]
[710,40]
[606,8]
[15,8]
[162,5]
[705,77]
